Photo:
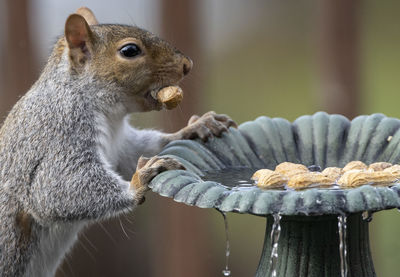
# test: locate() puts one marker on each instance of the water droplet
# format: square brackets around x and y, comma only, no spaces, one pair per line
[226,271]
[342,226]
[314,167]
[367,216]
[275,233]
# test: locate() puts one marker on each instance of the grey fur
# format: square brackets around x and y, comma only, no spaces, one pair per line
[67,152]
[54,167]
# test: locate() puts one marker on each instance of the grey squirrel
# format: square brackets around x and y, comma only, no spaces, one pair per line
[67,151]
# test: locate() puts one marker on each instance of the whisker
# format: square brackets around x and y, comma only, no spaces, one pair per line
[87,251]
[90,243]
[108,234]
[170,123]
[70,268]
[180,109]
[129,220]
[123,230]
[131,18]
[126,216]
[62,271]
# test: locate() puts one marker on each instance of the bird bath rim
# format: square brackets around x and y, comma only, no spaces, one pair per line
[320,139]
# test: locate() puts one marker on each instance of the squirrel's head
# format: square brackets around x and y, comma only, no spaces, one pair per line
[130,60]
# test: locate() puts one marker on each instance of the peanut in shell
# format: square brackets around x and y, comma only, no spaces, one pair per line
[290,169]
[269,179]
[170,96]
[305,180]
[356,178]
[332,173]
[260,173]
[358,165]
[379,166]
[394,170]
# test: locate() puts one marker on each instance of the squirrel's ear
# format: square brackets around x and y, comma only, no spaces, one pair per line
[77,32]
[79,38]
[88,15]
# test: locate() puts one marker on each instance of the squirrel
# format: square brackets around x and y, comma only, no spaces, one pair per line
[67,151]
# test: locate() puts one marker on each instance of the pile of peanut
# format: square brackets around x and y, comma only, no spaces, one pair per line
[354,174]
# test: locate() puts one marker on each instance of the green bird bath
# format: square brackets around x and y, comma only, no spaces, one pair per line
[313,232]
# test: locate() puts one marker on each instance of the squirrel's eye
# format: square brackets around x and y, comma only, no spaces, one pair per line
[130,50]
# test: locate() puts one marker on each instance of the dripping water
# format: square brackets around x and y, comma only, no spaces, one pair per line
[226,271]
[342,226]
[275,233]
[367,216]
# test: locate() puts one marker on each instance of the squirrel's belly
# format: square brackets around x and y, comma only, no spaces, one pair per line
[54,242]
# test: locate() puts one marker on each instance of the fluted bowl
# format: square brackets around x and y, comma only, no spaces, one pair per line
[319,139]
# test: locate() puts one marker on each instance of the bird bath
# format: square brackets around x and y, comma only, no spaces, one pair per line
[312,232]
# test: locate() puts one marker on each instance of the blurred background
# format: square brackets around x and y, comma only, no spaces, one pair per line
[251,58]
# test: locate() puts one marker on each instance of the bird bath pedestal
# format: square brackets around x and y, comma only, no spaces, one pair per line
[310,246]
[314,232]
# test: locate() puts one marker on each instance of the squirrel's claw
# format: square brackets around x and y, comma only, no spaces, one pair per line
[210,124]
[146,170]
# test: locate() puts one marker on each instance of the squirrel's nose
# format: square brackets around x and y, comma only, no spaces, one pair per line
[187,65]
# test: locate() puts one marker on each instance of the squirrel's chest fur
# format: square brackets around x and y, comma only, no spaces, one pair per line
[65,137]
[53,242]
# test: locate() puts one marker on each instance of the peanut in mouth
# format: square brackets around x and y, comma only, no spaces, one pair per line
[169,97]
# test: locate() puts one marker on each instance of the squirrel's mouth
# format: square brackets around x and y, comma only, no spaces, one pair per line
[152,103]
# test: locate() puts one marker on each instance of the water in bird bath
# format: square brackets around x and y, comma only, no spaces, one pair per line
[232,178]
[239,178]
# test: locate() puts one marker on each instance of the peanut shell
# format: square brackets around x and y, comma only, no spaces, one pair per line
[332,173]
[394,170]
[353,178]
[356,178]
[268,179]
[354,165]
[170,96]
[304,180]
[383,178]
[260,173]
[290,169]
[379,166]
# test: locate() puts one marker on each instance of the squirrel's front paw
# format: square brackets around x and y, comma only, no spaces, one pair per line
[209,124]
[147,169]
